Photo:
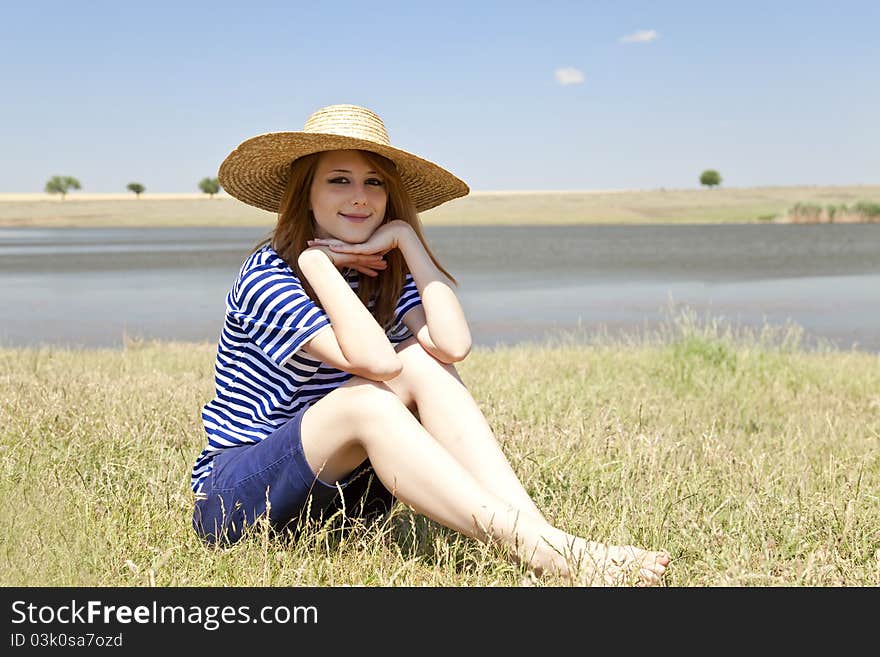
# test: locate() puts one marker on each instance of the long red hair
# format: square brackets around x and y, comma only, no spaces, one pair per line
[296,225]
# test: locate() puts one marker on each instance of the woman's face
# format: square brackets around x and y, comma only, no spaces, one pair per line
[347,197]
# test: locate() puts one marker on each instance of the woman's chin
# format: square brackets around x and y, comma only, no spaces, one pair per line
[354,234]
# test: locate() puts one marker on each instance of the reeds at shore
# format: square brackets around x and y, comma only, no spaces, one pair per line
[814,213]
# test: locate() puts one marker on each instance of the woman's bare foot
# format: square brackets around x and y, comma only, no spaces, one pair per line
[620,565]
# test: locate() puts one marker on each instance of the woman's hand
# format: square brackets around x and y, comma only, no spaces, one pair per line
[365,263]
[385,238]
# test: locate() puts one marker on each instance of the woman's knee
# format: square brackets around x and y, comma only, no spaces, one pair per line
[422,373]
[356,410]
[414,356]
[368,401]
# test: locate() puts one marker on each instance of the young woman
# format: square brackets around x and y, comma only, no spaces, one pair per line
[337,355]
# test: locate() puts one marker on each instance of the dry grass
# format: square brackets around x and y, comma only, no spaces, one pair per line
[752,461]
[495,208]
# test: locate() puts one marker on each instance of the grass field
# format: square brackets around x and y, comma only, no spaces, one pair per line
[752,460]
[498,208]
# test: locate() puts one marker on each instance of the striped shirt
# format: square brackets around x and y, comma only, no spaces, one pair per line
[262,379]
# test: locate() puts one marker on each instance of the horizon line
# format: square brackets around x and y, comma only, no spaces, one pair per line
[84,196]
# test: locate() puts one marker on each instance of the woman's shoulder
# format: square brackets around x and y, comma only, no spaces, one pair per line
[265,264]
[265,258]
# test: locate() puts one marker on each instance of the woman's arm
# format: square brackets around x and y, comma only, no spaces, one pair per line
[416,322]
[357,343]
[445,332]
[448,335]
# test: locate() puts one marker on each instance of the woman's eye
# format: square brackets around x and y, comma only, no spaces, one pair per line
[342,180]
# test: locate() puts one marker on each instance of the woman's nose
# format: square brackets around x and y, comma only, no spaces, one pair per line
[359,195]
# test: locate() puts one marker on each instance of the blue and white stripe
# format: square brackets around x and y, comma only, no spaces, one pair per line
[261,378]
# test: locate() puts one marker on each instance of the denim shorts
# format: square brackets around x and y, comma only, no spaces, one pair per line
[235,494]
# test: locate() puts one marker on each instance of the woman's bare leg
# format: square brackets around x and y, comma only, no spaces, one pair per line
[364,419]
[450,414]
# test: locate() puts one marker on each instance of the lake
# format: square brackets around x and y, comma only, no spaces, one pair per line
[92,287]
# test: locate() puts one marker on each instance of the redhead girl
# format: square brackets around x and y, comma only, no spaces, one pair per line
[337,359]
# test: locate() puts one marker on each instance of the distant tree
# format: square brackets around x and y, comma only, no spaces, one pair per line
[210,186]
[61,185]
[710,178]
[137,188]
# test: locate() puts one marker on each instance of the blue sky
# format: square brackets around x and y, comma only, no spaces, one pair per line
[507,95]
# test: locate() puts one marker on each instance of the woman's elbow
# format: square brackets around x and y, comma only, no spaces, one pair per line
[446,346]
[463,352]
[455,353]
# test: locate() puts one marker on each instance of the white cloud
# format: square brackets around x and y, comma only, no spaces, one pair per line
[642,36]
[569,75]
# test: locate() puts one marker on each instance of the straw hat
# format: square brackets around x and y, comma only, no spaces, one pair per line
[257,171]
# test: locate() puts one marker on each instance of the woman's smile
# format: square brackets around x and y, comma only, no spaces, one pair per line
[355,218]
[345,179]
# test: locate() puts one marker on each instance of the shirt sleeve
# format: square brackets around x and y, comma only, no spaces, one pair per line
[274,310]
[409,299]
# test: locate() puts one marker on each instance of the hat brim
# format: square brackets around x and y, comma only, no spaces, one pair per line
[257,170]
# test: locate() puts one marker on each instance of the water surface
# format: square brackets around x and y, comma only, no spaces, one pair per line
[91,287]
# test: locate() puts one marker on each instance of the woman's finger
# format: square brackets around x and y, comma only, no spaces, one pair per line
[338,246]
[350,248]
[318,241]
